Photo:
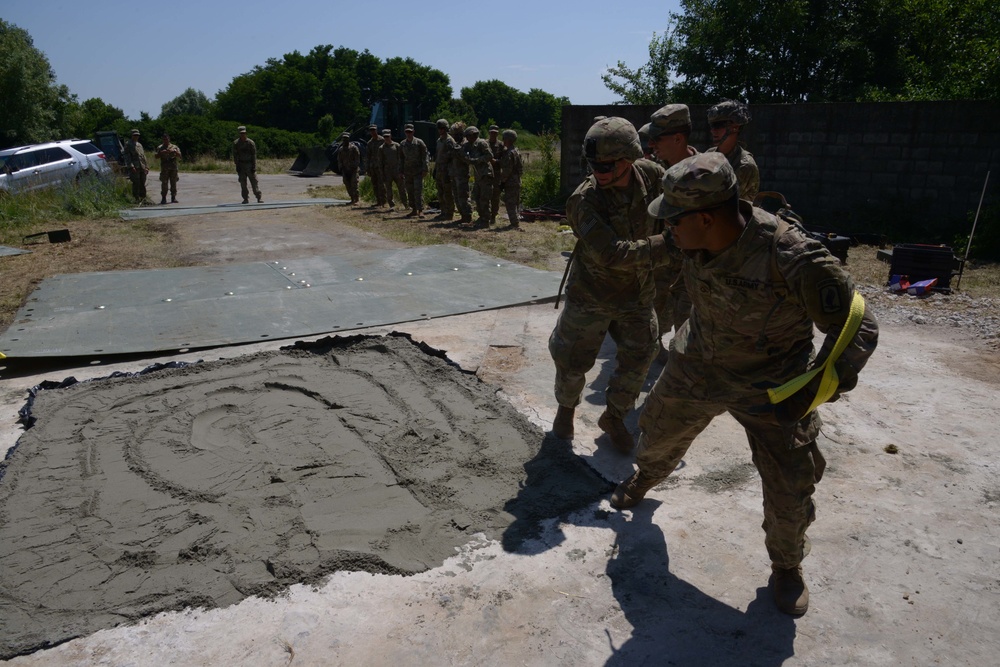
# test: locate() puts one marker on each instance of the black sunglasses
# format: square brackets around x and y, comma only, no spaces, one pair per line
[719,125]
[602,167]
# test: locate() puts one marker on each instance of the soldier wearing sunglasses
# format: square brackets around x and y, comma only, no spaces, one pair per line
[609,288]
[725,122]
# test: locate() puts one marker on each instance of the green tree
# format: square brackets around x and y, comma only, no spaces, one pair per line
[96,114]
[456,110]
[649,83]
[28,93]
[786,50]
[189,103]
[495,99]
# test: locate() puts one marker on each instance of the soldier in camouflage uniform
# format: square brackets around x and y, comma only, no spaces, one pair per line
[372,167]
[389,159]
[245,157]
[169,156]
[349,162]
[496,148]
[138,168]
[510,178]
[667,134]
[478,155]
[725,121]
[610,288]
[459,173]
[414,165]
[759,286]
[443,155]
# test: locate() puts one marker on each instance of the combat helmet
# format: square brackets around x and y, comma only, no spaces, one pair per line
[458,130]
[611,139]
[509,134]
[442,124]
[731,110]
[472,130]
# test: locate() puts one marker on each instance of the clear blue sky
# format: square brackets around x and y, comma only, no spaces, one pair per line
[139,55]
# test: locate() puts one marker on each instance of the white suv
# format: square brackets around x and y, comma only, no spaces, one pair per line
[46,165]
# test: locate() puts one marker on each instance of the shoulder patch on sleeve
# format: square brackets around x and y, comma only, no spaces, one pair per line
[829,296]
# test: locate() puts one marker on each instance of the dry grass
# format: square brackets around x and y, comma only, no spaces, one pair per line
[204,163]
[538,244]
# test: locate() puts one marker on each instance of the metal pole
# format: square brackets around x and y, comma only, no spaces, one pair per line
[968,246]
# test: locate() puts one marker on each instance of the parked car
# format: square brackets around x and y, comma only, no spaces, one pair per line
[46,165]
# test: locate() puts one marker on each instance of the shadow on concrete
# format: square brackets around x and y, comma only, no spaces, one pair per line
[675,623]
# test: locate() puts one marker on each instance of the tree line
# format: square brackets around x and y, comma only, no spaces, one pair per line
[286,103]
[780,51]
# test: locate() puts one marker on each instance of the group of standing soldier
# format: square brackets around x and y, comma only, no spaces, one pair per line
[244,157]
[496,167]
[678,244]
[138,168]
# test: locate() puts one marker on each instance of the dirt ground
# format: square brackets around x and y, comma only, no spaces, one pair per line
[904,567]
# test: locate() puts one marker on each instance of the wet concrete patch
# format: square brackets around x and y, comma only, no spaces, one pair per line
[202,485]
[716,481]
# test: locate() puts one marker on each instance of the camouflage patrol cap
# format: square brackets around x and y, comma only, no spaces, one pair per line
[134,132]
[494,128]
[668,119]
[510,134]
[408,127]
[373,127]
[610,139]
[346,135]
[386,132]
[731,110]
[241,128]
[471,130]
[698,182]
[442,123]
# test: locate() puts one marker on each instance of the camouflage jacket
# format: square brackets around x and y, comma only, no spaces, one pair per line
[478,154]
[371,155]
[616,246]
[747,174]
[169,155]
[389,159]
[458,166]
[348,158]
[443,155]
[510,166]
[135,156]
[414,158]
[245,153]
[755,305]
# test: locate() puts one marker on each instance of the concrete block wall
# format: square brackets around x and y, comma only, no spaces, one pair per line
[887,167]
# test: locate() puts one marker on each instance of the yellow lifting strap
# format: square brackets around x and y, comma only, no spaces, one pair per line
[830,381]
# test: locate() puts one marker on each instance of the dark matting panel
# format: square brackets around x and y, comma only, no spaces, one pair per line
[126,312]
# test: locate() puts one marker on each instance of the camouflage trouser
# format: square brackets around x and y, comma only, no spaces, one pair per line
[512,201]
[460,193]
[138,178]
[389,181]
[788,473]
[484,196]
[495,200]
[250,173]
[576,341]
[415,190]
[672,303]
[444,195]
[350,177]
[168,181]
[376,178]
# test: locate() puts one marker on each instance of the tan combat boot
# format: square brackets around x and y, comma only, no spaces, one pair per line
[562,425]
[791,594]
[615,428]
[632,490]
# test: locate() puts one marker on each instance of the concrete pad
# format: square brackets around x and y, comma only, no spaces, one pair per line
[903,570]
